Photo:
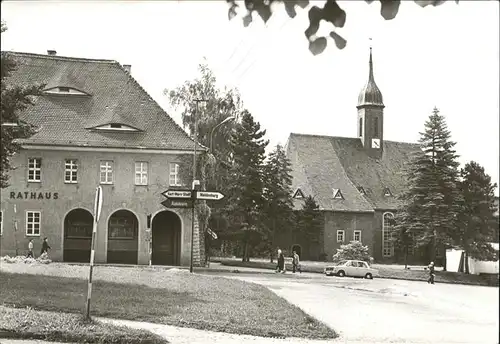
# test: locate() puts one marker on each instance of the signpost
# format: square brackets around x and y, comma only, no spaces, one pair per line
[97,215]
[172,194]
[177,203]
[187,199]
[209,195]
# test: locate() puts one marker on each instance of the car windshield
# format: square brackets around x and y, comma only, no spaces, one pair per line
[342,263]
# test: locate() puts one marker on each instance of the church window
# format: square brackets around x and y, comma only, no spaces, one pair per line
[360,127]
[375,127]
[387,192]
[387,230]
[340,235]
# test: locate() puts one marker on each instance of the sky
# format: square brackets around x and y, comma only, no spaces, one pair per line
[445,56]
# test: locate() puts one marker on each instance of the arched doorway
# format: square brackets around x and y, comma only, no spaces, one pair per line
[297,248]
[122,237]
[77,236]
[166,231]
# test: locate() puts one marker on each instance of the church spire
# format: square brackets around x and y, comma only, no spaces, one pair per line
[370,94]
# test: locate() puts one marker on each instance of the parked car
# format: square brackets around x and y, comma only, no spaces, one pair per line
[353,268]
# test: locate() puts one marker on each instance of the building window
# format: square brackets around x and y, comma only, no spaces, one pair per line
[387,192]
[106,175]
[34,169]
[1,222]
[375,127]
[387,228]
[340,235]
[174,175]
[360,127]
[33,220]
[141,173]
[70,171]
[357,235]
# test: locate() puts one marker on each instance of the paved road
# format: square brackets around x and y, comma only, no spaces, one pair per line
[390,311]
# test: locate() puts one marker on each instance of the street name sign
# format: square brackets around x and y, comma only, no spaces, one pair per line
[209,195]
[177,193]
[177,203]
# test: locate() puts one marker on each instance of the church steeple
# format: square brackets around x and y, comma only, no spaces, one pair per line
[370,94]
[371,115]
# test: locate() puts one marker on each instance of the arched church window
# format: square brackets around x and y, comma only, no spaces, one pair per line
[387,230]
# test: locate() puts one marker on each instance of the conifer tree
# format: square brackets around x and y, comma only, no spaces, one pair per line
[477,221]
[309,227]
[245,192]
[432,200]
[277,215]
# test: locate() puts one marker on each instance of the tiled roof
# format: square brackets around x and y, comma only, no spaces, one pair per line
[329,163]
[114,97]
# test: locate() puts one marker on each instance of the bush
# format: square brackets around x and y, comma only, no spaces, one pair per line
[353,250]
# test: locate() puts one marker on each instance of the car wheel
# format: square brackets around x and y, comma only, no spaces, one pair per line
[369,276]
[341,273]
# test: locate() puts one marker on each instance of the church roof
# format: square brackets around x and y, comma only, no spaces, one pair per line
[323,163]
[370,94]
[106,94]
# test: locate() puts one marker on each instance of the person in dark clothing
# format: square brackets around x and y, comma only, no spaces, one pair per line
[281,262]
[431,273]
[45,247]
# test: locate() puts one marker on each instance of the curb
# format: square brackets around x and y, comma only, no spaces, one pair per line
[391,278]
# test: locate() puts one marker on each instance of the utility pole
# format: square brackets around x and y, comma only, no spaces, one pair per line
[194,178]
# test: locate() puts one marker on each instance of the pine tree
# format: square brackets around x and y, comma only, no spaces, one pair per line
[277,214]
[432,200]
[309,227]
[14,99]
[245,201]
[477,221]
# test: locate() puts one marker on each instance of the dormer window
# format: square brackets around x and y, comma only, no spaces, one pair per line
[387,192]
[361,190]
[337,194]
[116,127]
[66,90]
[298,194]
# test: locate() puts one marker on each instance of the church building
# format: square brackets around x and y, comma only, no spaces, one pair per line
[355,181]
[95,126]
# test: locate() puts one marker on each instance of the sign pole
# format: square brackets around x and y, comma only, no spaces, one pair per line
[97,213]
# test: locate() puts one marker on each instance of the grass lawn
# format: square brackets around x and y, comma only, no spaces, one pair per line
[27,323]
[159,296]
[383,272]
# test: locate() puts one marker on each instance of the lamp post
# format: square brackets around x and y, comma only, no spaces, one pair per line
[194,178]
[230,118]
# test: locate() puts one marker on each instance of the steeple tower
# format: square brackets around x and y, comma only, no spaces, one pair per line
[371,115]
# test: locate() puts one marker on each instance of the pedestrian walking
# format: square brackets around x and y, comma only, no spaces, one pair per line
[30,249]
[45,246]
[431,273]
[296,262]
[281,262]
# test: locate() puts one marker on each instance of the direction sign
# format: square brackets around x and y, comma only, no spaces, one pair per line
[209,195]
[177,203]
[177,193]
[212,233]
